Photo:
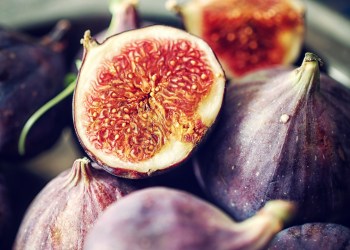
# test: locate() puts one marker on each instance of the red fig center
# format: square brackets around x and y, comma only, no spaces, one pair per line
[146,92]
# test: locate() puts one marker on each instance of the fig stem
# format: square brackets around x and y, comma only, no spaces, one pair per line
[268,221]
[119,9]
[80,171]
[308,74]
[55,36]
[40,112]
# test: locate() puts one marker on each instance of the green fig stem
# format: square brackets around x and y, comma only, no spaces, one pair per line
[308,74]
[40,112]
[257,231]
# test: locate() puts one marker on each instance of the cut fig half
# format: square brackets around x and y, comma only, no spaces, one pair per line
[145,98]
[246,35]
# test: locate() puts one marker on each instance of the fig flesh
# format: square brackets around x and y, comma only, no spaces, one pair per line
[283,134]
[312,236]
[145,98]
[31,73]
[246,35]
[162,218]
[67,207]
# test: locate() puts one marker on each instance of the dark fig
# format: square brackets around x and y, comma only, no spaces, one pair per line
[325,236]
[5,212]
[31,73]
[246,35]
[161,218]
[145,98]
[64,211]
[283,134]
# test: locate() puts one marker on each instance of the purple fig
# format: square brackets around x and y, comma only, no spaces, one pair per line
[162,218]
[64,211]
[31,73]
[5,212]
[310,236]
[283,134]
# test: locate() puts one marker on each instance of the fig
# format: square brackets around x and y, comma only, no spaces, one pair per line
[124,17]
[31,73]
[5,212]
[283,134]
[311,236]
[145,98]
[65,209]
[246,35]
[164,218]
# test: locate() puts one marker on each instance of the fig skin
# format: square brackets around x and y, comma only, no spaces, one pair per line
[5,213]
[31,73]
[311,236]
[163,218]
[66,208]
[283,134]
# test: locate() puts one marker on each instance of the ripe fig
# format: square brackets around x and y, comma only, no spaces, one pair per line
[283,134]
[31,73]
[145,98]
[246,35]
[310,236]
[63,212]
[5,212]
[124,17]
[162,218]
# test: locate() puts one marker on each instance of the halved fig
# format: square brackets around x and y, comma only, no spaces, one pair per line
[246,35]
[145,98]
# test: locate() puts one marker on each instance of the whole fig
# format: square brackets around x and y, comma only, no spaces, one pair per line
[283,134]
[160,218]
[311,236]
[64,211]
[31,73]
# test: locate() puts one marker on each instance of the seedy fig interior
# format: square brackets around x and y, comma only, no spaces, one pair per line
[259,34]
[148,95]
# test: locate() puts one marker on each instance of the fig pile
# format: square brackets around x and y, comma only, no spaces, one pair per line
[269,153]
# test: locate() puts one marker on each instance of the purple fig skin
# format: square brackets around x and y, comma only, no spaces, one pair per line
[31,73]
[164,218]
[283,134]
[312,236]
[5,211]
[67,207]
